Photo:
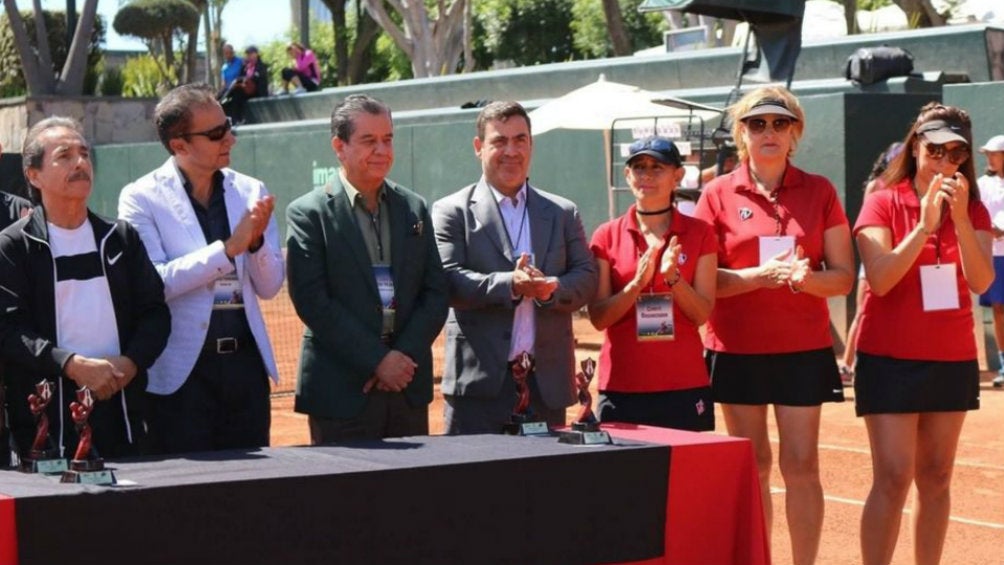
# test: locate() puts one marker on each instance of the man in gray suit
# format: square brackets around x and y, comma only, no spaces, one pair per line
[519,265]
[365,278]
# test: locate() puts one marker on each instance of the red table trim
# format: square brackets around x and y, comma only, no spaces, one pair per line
[8,532]
[714,514]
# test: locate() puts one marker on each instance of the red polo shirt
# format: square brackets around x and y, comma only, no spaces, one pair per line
[769,320]
[629,365]
[895,325]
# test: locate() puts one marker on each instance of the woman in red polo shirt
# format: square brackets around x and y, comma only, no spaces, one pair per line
[768,338]
[925,242]
[656,286]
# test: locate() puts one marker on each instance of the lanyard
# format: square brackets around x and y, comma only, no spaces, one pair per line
[775,200]
[522,224]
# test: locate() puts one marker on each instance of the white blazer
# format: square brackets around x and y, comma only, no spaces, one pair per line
[158,206]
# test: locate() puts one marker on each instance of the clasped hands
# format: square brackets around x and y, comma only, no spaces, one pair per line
[786,268]
[951,190]
[529,282]
[393,374]
[104,376]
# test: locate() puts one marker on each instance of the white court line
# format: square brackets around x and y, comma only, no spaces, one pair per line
[958,462]
[906,511]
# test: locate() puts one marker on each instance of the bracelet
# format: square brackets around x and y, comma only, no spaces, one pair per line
[675,280]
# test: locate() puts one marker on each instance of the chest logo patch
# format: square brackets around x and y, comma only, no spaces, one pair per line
[745,213]
[683,258]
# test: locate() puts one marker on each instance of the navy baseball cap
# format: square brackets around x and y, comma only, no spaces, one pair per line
[659,148]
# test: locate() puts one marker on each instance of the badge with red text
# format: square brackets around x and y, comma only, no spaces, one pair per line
[654,314]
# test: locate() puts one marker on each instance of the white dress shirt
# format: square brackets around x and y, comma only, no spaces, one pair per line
[517,226]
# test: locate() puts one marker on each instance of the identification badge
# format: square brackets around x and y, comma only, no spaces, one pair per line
[654,313]
[938,287]
[227,293]
[773,245]
[385,287]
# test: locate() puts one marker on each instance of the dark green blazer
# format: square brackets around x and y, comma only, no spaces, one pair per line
[334,292]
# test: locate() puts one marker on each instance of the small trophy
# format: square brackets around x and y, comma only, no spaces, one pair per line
[43,457]
[585,429]
[86,467]
[519,421]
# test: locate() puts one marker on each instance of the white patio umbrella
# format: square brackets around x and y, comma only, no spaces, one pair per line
[605,105]
[598,105]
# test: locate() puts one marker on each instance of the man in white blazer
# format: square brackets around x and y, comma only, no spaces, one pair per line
[211,234]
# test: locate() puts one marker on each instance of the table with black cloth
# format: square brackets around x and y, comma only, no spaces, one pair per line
[459,499]
[659,497]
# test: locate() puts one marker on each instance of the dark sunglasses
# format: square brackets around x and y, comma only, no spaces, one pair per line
[758,125]
[215,134]
[956,156]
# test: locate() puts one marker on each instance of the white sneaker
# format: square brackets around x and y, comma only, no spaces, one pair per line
[999,381]
[298,90]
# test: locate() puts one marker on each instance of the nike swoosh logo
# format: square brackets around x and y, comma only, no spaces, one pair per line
[115,259]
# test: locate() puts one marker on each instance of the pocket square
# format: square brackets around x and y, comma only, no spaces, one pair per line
[417,227]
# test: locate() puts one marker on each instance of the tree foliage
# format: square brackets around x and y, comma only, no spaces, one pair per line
[435,36]
[355,36]
[591,36]
[527,32]
[158,23]
[142,78]
[12,77]
[35,51]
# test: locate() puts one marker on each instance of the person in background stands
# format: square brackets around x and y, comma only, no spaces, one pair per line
[992,195]
[873,183]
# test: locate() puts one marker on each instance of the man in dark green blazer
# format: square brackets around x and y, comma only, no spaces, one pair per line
[366,278]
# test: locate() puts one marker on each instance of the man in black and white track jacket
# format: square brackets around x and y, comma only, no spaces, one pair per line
[80,303]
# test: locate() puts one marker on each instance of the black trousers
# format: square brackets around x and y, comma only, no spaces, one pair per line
[464,415]
[224,404]
[387,414]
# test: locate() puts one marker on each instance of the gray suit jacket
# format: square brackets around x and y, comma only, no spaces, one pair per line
[479,262]
[334,292]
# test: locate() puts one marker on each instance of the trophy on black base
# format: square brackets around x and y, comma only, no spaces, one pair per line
[585,429]
[86,467]
[520,423]
[43,457]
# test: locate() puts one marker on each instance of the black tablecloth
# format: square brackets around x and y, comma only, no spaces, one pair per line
[461,499]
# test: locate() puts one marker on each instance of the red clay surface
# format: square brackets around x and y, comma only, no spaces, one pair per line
[976,530]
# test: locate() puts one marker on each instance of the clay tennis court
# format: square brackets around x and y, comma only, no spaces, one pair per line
[976,530]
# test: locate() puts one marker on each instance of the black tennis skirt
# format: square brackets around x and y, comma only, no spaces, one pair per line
[689,409]
[884,385]
[803,378]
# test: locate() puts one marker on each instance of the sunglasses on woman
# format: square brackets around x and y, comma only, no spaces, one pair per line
[213,134]
[758,125]
[956,156]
